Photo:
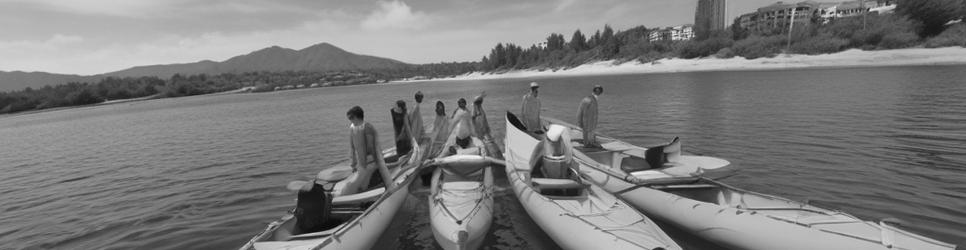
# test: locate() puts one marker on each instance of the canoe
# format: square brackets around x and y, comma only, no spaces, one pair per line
[357,220]
[666,165]
[461,201]
[729,216]
[591,219]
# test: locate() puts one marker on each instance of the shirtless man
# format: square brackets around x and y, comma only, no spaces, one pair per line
[365,151]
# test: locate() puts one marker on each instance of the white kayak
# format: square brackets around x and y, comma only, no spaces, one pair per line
[357,220]
[725,215]
[461,200]
[666,165]
[590,219]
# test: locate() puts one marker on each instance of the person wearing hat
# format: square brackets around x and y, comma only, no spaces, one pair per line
[416,118]
[313,206]
[530,112]
[587,117]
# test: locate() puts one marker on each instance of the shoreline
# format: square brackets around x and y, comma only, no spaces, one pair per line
[848,58]
[121,101]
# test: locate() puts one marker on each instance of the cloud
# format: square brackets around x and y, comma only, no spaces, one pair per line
[563,5]
[123,8]
[395,15]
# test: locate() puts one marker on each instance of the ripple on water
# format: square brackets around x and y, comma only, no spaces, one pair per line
[208,172]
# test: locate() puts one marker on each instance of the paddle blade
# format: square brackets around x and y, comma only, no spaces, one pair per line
[295,186]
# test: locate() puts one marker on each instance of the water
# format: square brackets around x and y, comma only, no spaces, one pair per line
[208,172]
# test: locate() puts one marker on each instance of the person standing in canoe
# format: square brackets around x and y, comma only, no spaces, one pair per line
[400,124]
[365,152]
[416,118]
[530,112]
[479,118]
[587,117]
[461,114]
[440,129]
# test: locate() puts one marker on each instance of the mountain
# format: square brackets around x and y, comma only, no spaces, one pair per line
[319,57]
[19,80]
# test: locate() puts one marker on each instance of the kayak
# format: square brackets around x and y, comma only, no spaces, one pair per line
[356,220]
[666,165]
[461,200]
[590,219]
[726,215]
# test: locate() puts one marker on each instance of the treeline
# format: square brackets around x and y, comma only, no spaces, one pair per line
[916,23]
[114,88]
[558,52]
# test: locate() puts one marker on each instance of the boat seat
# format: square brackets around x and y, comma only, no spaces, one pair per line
[657,156]
[632,164]
[354,199]
[461,185]
[548,186]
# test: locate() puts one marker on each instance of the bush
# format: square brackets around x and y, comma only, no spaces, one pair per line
[704,48]
[756,46]
[954,35]
[933,14]
[821,44]
[899,40]
[725,53]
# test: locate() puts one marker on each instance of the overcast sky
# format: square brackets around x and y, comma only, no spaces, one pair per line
[98,36]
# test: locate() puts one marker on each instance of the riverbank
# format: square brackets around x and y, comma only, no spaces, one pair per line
[121,101]
[848,58]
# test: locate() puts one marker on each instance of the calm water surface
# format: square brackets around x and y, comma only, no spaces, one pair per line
[209,172]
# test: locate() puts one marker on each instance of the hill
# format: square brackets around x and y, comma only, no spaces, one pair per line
[19,80]
[319,57]
[316,58]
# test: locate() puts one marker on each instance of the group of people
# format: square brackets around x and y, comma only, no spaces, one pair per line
[366,152]
[586,114]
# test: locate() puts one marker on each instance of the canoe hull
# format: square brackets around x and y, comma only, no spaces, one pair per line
[464,204]
[363,231]
[596,220]
[477,219]
[741,219]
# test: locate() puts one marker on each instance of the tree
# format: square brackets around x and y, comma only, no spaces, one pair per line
[578,42]
[609,44]
[555,42]
[934,14]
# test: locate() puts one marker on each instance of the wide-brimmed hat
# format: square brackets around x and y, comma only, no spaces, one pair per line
[534,85]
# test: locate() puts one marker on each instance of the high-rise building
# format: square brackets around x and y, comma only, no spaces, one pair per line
[709,16]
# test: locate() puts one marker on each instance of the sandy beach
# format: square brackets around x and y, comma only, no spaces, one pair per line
[848,58]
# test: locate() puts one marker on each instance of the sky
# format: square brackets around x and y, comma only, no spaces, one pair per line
[89,37]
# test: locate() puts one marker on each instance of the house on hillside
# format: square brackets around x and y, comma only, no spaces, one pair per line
[776,18]
[676,33]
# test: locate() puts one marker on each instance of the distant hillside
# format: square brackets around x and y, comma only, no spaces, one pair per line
[319,57]
[19,80]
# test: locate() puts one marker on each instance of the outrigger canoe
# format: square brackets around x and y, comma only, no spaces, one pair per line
[357,220]
[591,219]
[461,200]
[668,187]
